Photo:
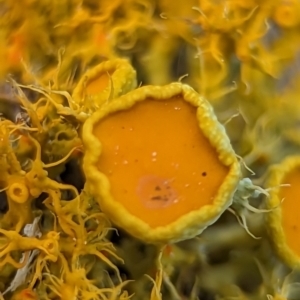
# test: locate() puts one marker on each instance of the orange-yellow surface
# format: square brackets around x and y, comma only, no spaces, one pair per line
[290,209]
[98,84]
[159,164]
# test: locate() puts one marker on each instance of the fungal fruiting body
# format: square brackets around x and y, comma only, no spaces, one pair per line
[283,220]
[106,81]
[286,14]
[148,174]
[159,163]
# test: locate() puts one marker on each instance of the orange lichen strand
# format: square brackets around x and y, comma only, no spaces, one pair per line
[98,84]
[290,209]
[159,163]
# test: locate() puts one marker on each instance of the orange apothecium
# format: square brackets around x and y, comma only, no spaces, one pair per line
[108,80]
[159,163]
[283,220]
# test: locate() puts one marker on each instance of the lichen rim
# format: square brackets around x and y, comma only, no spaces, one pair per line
[274,218]
[194,222]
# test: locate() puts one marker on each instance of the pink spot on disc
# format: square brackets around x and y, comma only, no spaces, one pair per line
[156,192]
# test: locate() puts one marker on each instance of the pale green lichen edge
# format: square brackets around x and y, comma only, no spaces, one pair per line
[274,218]
[123,78]
[192,223]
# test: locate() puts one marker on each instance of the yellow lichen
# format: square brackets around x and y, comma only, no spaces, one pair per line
[283,219]
[218,157]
